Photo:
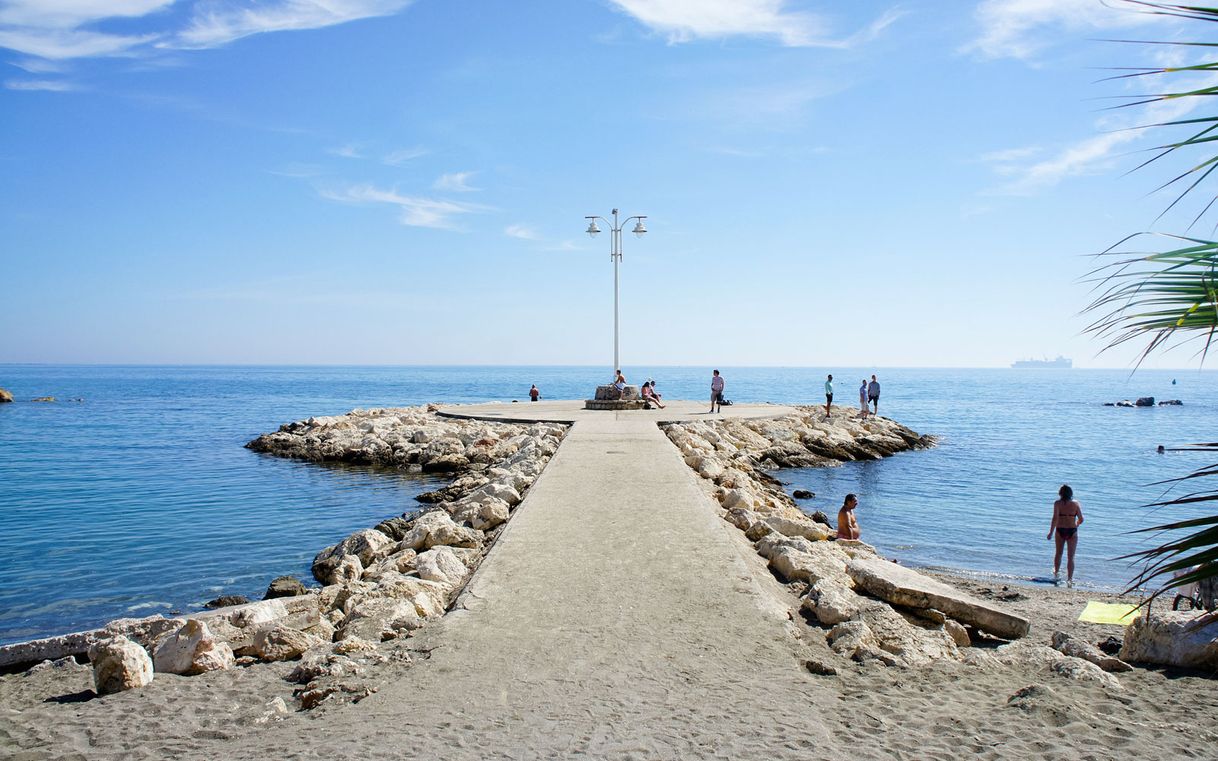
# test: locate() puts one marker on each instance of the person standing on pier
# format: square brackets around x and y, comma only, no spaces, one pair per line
[716,391]
[873,394]
[828,395]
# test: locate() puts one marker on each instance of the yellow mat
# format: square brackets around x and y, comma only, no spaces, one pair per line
[1118,613]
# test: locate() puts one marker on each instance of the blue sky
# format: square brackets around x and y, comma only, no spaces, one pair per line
[385,181]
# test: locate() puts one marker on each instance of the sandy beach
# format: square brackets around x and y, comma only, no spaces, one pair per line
[621,614]
[867,711]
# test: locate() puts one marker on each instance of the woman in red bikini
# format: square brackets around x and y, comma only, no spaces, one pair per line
[1067,517]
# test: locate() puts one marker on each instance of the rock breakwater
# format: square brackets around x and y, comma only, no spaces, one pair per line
[866,608]
[379,584]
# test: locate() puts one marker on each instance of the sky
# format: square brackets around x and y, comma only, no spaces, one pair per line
[915,183]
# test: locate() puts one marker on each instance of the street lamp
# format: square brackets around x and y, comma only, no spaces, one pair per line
[615,253]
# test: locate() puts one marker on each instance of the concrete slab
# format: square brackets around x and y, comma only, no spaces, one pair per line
[572,411]
[905,587]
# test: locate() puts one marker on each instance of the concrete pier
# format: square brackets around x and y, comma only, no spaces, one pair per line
[617,616]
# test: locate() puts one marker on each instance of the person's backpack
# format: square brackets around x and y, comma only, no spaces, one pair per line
[725,402]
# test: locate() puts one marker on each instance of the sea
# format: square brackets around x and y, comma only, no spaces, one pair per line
[132,493]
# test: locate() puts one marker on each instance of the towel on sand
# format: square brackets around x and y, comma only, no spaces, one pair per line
[1118,613]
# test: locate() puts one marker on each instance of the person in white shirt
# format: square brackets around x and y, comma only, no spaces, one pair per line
[716,391]
[828,396]
[863,399]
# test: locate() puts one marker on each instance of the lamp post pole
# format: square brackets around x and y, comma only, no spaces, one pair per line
[615,253]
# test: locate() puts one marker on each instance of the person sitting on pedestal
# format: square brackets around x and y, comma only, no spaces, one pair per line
[619,383]
[650,396]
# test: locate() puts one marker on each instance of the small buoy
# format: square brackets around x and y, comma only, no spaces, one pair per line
[1173,381]
[1161,449]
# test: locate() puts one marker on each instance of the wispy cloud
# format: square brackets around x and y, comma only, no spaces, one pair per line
[1023,28]
[403,156]
[414,211]
[687,20]
[219,23]
[348,151]
[49,85]
[1029,173]
[456,182]
[65,29]
[521,232]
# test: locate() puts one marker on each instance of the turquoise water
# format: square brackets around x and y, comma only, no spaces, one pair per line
[140,498]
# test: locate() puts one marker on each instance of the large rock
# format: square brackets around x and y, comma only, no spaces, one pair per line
[5,396]
[285,586]
[380,618]
[119,664]
[438,528]
[902,586]
[192,650]
[1079,648]
[441,564]
[832,603]
[238,626]
[1173,638]
[807,528]
[281,643]
[332,565]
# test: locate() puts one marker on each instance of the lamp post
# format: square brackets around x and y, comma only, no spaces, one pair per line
[615,253]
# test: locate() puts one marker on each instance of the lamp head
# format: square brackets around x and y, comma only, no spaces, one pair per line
[639,229]
[592,229]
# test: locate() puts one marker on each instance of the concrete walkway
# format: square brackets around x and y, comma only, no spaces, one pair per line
[618,616]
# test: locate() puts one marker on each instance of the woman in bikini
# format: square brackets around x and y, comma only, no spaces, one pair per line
[1067,517]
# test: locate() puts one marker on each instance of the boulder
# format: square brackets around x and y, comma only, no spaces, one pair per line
[802,494]
[1171,403]
[5,396]
[1173,638]
[902,586]
[192,650]
[808,529]
[441,564]
[43,399]
[1145,401]
[367,546]
[226,601]
[1029,654]
[438,528]
[1077,648]
[285,586]
[913,645]
[380,618]
[832,603]
[483,516]
[281,643]
[119,664]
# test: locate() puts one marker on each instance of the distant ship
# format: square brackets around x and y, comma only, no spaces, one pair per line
[1061,362]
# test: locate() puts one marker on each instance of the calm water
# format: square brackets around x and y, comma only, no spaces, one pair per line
[141,499]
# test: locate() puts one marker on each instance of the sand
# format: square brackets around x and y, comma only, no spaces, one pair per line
[866,711]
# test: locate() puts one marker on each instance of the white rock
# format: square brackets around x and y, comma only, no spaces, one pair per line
[119,664]
[192,650]
[281,643]
[808,529]
[441,564]
[1171,638]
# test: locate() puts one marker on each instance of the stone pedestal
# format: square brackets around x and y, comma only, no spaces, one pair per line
[607,398]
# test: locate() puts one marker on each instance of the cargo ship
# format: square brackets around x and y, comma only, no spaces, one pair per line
[1060,362]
